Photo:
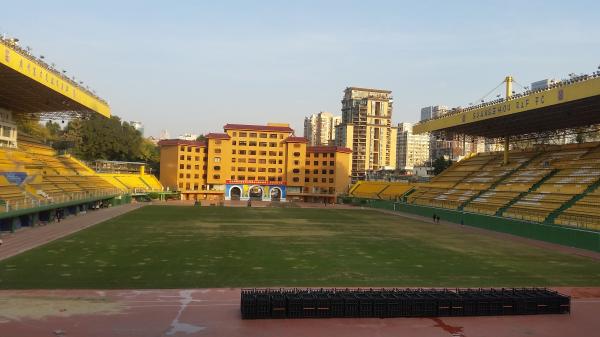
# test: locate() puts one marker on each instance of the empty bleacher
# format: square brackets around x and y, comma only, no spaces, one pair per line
[553,184]
[379,189]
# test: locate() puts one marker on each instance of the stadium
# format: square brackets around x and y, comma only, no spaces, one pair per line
[85,248]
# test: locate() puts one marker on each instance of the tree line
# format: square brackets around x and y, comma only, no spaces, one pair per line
[95,138]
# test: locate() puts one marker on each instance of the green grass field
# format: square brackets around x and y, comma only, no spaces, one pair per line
[180,247]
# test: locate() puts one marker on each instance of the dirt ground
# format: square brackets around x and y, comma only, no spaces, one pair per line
[215,312]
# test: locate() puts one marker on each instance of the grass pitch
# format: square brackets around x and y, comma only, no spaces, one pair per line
[181,247]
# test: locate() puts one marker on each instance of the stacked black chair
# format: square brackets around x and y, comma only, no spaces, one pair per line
[382,303]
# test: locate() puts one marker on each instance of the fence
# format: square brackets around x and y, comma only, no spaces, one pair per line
[564,235]
[384,303]
[54,198]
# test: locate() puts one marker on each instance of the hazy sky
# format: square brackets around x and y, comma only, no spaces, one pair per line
[193,66]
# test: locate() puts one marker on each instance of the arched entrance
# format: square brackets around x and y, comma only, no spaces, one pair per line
[235,193]
[255,193]
[275,194]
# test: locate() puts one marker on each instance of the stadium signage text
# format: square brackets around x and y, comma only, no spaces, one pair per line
[504,108]
[254,182]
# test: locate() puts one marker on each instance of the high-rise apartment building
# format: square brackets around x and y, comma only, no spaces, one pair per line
[319,128]
[433,111]
[412,149]
[366,128]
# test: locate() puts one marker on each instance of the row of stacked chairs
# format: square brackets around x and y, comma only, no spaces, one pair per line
[384,303]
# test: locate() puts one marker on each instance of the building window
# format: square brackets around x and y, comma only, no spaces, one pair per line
[296,162]
[217,150]
[188,176]
[279,179]
[330,171]
[252,152]
[217,168]
[251,178]
[243,143]
[281,153]
[251,169]
[323,180]
[241,177]
[273,135]
[189,167]
[332,163]
[217,159]
[331,155]
[296,171]
[233,160]
[189,157]
[272,161]
[233,142]
[242,152]
[324,163]
[262,161]
[315,171]
[271,170]
[271,178]
[263,153]
[233,151]
[252,143]
[252,134]
[280,161]
[296,154]
[307,163]
[296,179]
[315,180]
[306,171]
[241,169]
[196,176]
[306,180]
[263,135]
[272,144]
[196,158]
[182,157]
[323,171]
[243,134]
[296,145]
[316,163]
[217,142]
[181,175]
[251,161]
[234,133]
[272,153]
[197,150]
[331,180]
[182,148]
[261,178]
[262,169]
[196,167]
[262,144]
[180,185]
[216,176]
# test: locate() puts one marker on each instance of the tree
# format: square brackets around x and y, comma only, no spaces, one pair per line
[440,164]
[201,138]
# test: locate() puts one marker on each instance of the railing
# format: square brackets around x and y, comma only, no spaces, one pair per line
[579,221]
[55,199]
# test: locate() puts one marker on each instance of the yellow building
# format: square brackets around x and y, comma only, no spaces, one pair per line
[258,162]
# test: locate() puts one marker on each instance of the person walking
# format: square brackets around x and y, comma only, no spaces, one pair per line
[434,217]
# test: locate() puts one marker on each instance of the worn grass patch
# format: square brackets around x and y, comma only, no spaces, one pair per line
[186,247]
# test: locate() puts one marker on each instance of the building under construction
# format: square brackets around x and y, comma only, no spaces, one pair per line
[367,129]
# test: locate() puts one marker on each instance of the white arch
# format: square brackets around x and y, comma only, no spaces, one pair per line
[231,190]
[262,191]
[280,192]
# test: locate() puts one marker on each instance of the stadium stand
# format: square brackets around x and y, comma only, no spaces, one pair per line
[379,189]
[551,184]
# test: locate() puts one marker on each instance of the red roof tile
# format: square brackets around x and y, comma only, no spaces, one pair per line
[257,127]
[172,142]
[296,140]
[213,135]
[322,149]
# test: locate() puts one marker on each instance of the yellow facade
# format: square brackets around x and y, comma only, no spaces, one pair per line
[263,157]
[12,57]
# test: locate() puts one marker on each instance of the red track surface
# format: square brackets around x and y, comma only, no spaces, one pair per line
[215,312]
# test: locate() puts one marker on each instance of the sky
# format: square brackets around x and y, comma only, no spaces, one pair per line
[193,66]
